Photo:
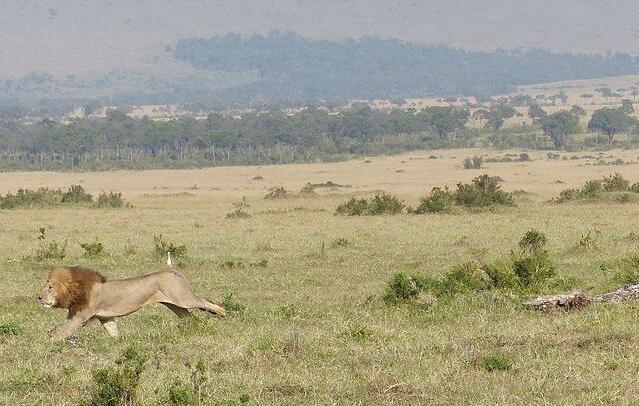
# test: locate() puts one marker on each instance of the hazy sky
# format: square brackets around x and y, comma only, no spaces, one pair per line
[94,36]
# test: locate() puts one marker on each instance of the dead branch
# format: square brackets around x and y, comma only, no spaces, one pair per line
[579,299]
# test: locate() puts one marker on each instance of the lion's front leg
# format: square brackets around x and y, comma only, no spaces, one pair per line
[69,328]
[110,327]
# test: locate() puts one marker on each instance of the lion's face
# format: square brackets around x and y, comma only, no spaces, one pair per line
[48,295]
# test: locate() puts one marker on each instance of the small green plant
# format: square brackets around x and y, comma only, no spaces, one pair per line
[533,241]
[180,394]
[52,251]
[464,278]
[239,209]
[401,289]
[277,192]
[231,305]
[308,190]
[587,242]
[243,400]
[483,191]
[496,362]
[10,329]
[162,247]
[42,233]
[340,242]
[117,385]
[92,249]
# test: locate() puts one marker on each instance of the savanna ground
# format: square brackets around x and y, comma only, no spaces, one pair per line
[314,329]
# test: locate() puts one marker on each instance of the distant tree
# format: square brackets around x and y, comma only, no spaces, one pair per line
[498,114]
[578,110]
[445,121]
[605,91]
[536,113]
[610,122]
[634,94]
[627,107]
[560,127]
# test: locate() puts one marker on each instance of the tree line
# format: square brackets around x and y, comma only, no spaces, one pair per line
[269,137]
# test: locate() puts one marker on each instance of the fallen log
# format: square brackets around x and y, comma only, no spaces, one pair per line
[579,299]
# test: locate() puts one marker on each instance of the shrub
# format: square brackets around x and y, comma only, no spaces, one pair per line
[340,242]
[28,198]
[277,192]
[501,275]
[111,200]
[353,207]
[401,288]
[464,278]
[533,270]
[380,204]
[239,210]
[92,249]
[308,190]
[483,191]
[473,163]
[180,395]
[533,242]
[438,201]
[76,194]
[524,157]
[53,251]
[385,204]
[117,385]
[615,183]
[162,247]
[587,242]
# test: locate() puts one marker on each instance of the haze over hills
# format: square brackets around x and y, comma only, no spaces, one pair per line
[116,47]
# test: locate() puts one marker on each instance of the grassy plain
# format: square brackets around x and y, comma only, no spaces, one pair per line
[314,329]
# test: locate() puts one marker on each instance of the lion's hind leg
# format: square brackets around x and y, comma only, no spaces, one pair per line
[181,312]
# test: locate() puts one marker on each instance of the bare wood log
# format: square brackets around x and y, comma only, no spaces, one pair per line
[579,299]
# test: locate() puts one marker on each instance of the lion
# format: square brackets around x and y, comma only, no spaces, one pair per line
[88,295]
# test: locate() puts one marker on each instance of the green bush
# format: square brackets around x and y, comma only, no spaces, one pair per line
[76,194]
[231,305]
[52,251]
[483,191]
[501,275]
[117,385]
[533,241]
[92,249]
[162,247]
[464,278]
[401,288]
[277,192]
[380,204]
[615,183]
[438,201]
[533,270]
[180,395]
[111,199]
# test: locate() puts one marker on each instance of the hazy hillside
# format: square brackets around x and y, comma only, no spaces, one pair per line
[88,36]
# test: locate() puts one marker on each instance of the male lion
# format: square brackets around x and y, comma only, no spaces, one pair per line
[88,295]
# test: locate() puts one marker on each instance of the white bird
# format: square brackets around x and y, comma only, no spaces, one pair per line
[169,260]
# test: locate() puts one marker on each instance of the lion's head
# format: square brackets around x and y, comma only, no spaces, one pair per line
[69,287]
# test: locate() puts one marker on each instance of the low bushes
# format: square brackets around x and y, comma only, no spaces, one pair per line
[380,204]
[595,189]
[527,269]
[483,191]
[47,197]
